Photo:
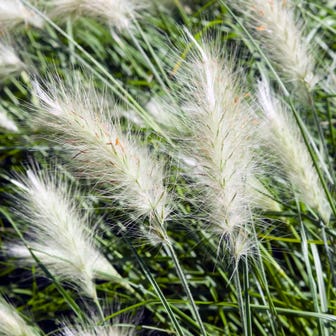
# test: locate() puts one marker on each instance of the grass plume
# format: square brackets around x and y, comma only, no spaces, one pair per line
[221,141]
[275,24]
[285,139]
[59,234]
[124,169]
[12,324]
[14,13]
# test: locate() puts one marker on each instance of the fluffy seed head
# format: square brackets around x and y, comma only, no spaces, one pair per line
[122,168]
[123,325]
[12,324]
[275,25]
[59,234]
[221,143]
[6,122]
[93,330]
[10,63]
[285,139]
[117,13]
[14,13]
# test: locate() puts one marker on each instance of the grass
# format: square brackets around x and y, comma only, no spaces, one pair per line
[286,286]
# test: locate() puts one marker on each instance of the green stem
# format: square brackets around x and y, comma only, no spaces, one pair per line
[158,291]
[311,280]
[170,251]
[156,59]
[71,45]
[241,303]
[247,299]
[100,310]
[321,136]
[148,61]
[329,255]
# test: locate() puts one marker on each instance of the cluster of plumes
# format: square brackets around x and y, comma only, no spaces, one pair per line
[12,324]
[59,235]
[10,62]
[14,13]
[283,135]
[221,145]
[274,23]
[121,168]
[117,13]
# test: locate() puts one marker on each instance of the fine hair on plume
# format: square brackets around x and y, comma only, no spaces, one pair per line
[12,324]
[118,165]
[285,141]
[122,325]
[6,122]
[275,24]
[60,235]
[116,13]
[10,62]
[14,13]
[221,144]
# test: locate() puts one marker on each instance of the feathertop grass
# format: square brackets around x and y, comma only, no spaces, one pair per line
[59,234]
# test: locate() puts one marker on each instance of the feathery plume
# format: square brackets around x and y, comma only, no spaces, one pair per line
[128,172]
[10,63]
[283,135]
[59,234]
[117,13]
[6,122]
[90,328]
[97,331]
[275,25]
[14,13]
[221,141]
[12,324]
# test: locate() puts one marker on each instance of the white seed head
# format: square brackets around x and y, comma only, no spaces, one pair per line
[12,324]
[221,144]
[283,134]
[10,63]
[59,234]
[274,23]
[116,327]
[117,13]
[97,331]
[122,169]
[6,122]
[14,13]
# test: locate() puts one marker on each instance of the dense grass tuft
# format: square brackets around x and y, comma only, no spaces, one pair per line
[183,176]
